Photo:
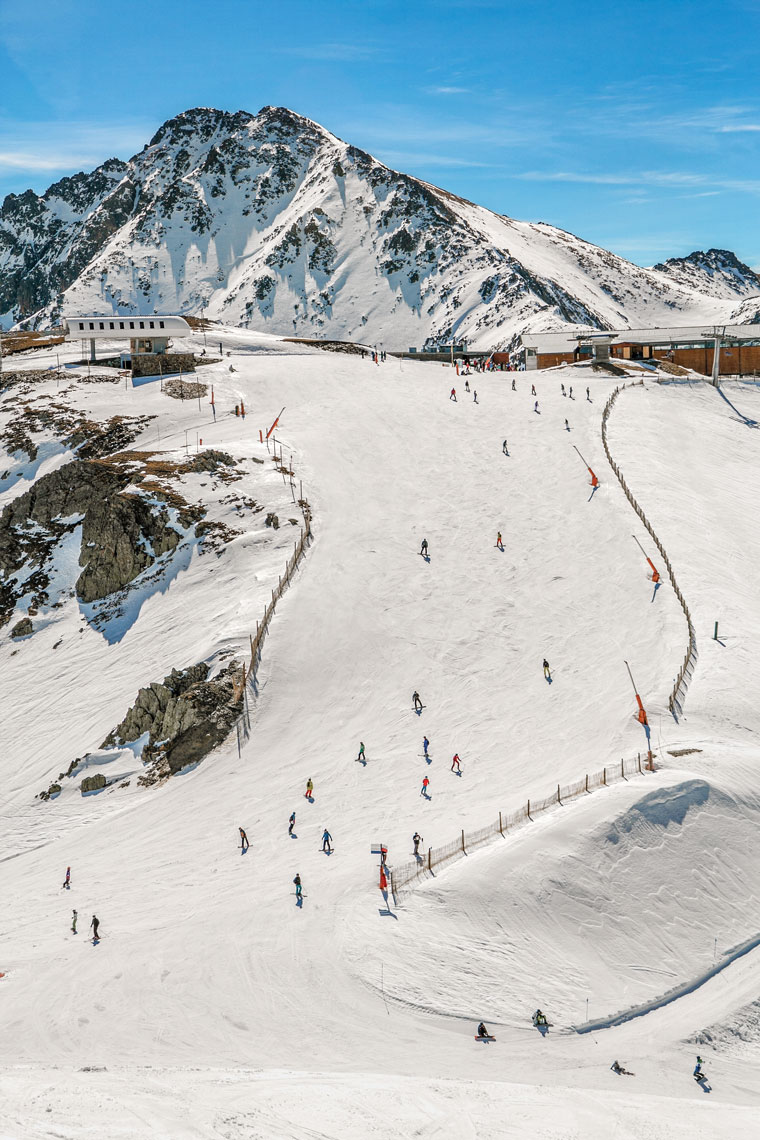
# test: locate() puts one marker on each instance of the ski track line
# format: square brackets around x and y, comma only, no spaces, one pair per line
[677,992]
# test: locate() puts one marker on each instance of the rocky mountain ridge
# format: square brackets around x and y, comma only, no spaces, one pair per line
[270,221]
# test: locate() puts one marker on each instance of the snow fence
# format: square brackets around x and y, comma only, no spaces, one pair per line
[407,874]
[248,679]
[678,695]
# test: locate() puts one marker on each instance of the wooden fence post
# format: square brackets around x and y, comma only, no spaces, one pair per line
[604,777]
[463,850]
[430,860]
[587,781]
[529,810]
[622,767]
[559,801]
[501,829]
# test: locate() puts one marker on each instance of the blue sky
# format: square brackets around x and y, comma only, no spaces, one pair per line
[635,125]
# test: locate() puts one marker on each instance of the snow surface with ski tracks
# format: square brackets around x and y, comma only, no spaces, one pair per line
[213,1005]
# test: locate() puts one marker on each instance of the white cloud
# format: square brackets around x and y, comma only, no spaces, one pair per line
[446,90]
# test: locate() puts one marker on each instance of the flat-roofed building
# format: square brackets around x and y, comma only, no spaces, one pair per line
[691,346]
[146,335]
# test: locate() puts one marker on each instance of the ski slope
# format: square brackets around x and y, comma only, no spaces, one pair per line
[213,1006]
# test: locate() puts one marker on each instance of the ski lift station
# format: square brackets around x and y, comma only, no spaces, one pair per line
[147,336]
[692,347]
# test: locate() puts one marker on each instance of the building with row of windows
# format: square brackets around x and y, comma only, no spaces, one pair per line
[146,335]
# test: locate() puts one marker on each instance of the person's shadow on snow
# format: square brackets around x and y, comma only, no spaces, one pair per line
[543,1029]
[299,901]
[427,558]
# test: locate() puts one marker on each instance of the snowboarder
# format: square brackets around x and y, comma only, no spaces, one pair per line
[567,426]
[482,1031]
[499,543]
[455,761]
[309,789]
[535,407]
[326,841]
[513,385]
[475,396]
[361,751]
[424,788]
[425,746]
[416,840]
[588,395]
[416,701]
[571,392]
[533,389]
[547,670]
[539,1018]
[453,395]
[67,880]
[424,548]
[73,922]
[562,386]
[94,928]
[467,385]
[698,1074]
[504,448]
[297,882]
[243,840]
[291,822]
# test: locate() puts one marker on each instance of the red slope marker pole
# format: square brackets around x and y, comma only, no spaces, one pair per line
[594,480]
[655,574]
[641,715]
[274,425]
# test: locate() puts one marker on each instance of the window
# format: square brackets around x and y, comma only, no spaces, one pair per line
[152,325]
[131,324]
[160,324]
[121,324]
[110,324]
[92,326]
[142,324]
[101,325]
[81,324]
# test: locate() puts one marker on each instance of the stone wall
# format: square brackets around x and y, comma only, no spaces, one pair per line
[168,364]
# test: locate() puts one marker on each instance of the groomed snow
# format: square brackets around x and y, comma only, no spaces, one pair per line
[213,1006]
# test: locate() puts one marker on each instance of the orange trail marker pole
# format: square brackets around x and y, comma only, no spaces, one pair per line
[594,480]
[655,574]
[274,425]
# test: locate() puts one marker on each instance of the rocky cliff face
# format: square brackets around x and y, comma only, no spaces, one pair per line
[271,221]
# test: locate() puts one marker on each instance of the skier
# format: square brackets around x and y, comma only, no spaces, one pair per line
[453,395]
[361,751]
[482,1031]
[567,426]
[326,841]
[504,448]
[698,1074]
[416,701]
[424,548]
[454,761]
[94,928]
[425,746]
[297,882]
[416,840]
[535,407]
[309,789]
[499,543]
[73,922]
[243,840]
[475,395]
[291,822]
[539,1018]
[533,389]
[424,789]
[67,880]
[547,670]
[562,386]
[618,1068]
[513,385]
[588,395]
[467,385]
[571,392]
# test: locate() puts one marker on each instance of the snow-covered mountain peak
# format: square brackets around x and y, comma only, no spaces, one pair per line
[272,222]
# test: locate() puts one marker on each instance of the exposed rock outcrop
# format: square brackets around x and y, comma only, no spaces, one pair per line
[185,716]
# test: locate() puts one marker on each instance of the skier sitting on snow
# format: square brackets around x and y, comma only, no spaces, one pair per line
[617,1067]
[539,1018]
[482,1031]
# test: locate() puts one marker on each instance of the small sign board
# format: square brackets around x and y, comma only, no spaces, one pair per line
[378,849]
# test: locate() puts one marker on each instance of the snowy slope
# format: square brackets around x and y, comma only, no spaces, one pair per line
[217,1006]
[271,222]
